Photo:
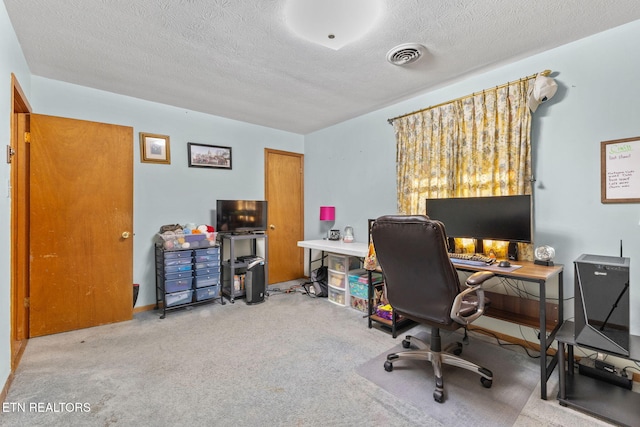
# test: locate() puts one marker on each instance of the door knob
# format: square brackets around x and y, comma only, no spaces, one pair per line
[126,234]
[272,227]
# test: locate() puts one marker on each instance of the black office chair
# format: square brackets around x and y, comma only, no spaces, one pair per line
[423,286]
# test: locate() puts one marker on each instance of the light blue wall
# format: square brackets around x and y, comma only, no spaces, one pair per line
[175,193]
[352,165]
[11,61]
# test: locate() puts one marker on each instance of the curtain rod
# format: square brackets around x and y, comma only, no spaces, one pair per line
[544,73]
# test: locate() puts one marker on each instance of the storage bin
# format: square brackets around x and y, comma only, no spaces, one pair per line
[176,242]
[361,275]
[207,293]
[203,281]
[177,268]
[206,258]
[177,261]
[208,251]
[208,265]
[337,279]
[178,284]
[343,263]
[177,298]
[178,275]
[207,271]
[359,290]
[361,304]
[359,282]
[336,296]
[178,254]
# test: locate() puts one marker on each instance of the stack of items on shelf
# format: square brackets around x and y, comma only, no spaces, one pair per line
[359,289]
[382,307]
[189,236]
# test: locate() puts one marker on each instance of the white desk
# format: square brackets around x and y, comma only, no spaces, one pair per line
[358,249]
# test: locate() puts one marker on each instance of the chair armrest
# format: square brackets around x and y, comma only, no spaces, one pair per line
[474,285]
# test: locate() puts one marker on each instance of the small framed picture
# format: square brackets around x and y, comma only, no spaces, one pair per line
[209,156]
[154,148]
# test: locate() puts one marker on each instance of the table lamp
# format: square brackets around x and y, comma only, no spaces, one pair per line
[327,213]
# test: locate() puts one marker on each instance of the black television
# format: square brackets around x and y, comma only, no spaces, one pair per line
[241,216]
[506,218]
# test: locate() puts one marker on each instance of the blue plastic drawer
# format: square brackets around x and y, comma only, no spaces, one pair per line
[203,281]
[178,275]
[178,285]
[207,271]
[176,268]
[207,293]
[178,254]
[206,258]
[177,261]
[208,251]
[208,264]
[177,298]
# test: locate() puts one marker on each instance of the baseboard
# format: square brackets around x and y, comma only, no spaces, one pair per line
[144,308]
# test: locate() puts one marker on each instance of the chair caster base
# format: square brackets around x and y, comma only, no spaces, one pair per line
[485,382]
[438,396]
[388,366]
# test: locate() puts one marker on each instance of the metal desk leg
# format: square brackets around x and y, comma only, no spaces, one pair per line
[543,341]
[370,300]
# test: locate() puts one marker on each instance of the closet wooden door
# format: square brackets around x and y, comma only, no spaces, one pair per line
[81,219]
[284,191]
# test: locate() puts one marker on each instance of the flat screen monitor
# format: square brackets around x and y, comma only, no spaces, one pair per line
[506,218]
[241,216]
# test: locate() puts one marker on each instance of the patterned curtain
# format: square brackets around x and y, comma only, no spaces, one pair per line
[478,145]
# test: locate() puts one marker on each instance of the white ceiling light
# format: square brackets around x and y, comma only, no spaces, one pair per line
[332,23]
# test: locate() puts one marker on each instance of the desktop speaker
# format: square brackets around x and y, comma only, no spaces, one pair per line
[602,303]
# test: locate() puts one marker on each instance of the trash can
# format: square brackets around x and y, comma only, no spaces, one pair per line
[254,282]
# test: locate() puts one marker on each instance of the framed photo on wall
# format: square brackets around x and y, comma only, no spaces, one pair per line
[209,156]
[154,148]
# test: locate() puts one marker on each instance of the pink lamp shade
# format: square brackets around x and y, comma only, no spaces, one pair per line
[327,213]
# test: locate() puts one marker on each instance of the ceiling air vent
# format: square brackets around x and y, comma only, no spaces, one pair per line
[405,53]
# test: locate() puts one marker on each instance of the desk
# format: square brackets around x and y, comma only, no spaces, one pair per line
[531,272]
[357,249]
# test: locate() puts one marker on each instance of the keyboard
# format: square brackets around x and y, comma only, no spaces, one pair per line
[478,260]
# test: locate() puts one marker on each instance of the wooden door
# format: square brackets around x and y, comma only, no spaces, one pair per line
[284,191]
[81,209]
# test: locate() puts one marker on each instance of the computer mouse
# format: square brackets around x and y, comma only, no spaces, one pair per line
[504,264]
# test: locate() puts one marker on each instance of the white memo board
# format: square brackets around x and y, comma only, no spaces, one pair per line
[620,170]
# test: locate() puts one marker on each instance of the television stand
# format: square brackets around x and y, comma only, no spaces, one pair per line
[235,264]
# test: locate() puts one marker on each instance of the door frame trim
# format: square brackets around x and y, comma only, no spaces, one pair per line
[19,226]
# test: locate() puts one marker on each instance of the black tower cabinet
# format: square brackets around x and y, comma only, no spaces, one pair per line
[602,303]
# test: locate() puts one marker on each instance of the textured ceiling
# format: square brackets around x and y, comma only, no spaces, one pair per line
[238,59]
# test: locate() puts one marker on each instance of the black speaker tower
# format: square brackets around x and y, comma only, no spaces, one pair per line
[602,303]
